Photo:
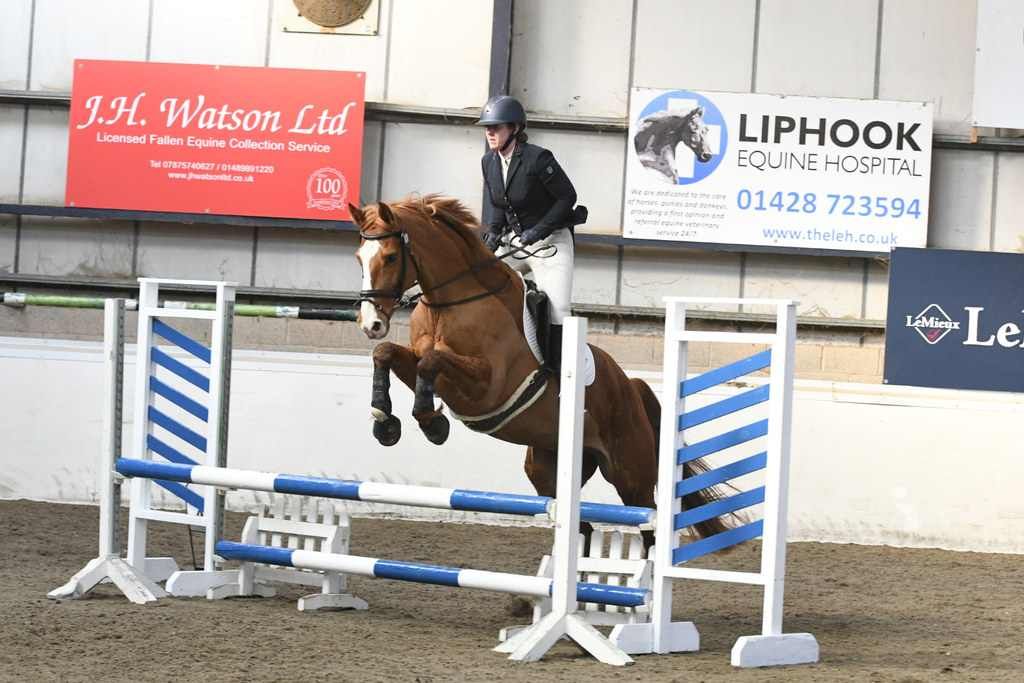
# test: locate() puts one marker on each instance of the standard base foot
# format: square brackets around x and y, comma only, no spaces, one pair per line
[235,590]
[318,601]
[195,584]
[137,587]
[638,639]
[782,650]
[160,569]
[530,644]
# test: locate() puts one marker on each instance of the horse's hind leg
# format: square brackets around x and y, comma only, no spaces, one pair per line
[542,470]
[636,489]
[388,357]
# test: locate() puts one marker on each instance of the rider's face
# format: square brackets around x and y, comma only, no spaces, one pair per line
[497,135]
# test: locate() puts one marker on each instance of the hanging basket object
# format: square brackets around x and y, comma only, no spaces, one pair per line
[332,13]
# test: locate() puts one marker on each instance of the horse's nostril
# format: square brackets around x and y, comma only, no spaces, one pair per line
[376,326]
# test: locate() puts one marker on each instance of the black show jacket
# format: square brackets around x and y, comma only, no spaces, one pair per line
[538,194]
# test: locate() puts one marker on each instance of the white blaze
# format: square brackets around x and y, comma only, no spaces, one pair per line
[367,311]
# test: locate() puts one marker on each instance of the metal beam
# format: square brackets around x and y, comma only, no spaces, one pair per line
[173,217]
[395,113]
[501,48]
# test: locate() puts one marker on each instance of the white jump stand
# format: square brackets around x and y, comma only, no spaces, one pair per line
[616,558]
[662,635]
[302,529]
[108,567]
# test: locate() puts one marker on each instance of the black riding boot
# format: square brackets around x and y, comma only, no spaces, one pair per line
[554,350]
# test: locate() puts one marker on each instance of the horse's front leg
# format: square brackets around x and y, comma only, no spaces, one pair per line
[388,357]
[468,376]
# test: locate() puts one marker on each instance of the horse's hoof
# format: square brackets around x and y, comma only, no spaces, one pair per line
[437,429]
[387,431]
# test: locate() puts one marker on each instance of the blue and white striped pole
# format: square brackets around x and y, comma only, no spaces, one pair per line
[373,492]
[501,582]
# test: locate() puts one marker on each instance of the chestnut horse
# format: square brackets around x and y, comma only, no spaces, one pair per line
[467,346]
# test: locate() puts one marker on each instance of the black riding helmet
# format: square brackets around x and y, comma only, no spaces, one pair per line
[502,109]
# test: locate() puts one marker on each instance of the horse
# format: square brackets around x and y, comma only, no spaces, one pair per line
[658,134]
[467,346]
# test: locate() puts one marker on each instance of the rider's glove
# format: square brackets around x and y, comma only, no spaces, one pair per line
[492,240]
[530,236]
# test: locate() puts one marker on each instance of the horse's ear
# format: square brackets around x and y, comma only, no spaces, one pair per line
[699,111]
[357,214]
[384,211]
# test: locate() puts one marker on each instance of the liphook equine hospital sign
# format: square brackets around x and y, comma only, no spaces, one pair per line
[747,169]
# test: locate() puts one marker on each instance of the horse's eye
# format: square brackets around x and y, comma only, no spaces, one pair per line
[390,258]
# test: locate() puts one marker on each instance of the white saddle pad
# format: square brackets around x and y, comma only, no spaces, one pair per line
[530,329]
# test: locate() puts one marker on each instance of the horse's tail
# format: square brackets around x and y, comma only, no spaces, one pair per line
[652,407]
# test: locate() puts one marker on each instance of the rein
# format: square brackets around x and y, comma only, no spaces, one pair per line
[397,293]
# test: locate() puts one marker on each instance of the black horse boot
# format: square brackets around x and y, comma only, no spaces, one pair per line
[553,352]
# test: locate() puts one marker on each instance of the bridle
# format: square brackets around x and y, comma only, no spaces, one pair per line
[397,293]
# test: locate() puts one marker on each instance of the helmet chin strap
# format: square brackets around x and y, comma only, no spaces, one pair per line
[508,141]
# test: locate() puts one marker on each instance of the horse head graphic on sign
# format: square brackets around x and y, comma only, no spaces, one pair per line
[674,118]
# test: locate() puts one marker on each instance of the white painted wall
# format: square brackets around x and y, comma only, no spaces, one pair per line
[871,464]
[571,57]
[804,49]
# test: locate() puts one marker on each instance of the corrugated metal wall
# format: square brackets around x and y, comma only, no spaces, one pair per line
[571,57]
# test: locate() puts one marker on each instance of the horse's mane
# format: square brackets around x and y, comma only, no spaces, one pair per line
[453,214]
[464,229]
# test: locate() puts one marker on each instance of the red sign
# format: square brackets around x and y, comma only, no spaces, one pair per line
[229,140]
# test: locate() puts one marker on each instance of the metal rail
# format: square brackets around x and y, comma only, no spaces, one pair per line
[21,299]
[314,312]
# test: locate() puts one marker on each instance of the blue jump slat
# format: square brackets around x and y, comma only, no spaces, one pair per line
[183,492]
[181,340]
[723,441]
[759,361]
[317,486]
[606,594]
[180,369]
[688,518]
[627,515]
[230,550]
[717,542]
[723,408]
[721,474]
[132,467]
[176,428]
[179,399]
[416,572]
[174,455]
[502,503]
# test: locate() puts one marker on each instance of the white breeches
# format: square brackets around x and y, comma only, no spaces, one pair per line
[551,269]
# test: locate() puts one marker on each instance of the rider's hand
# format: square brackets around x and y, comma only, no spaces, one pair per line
[492,240]
[528,237]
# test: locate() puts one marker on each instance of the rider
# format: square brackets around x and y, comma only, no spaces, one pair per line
[528,202]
